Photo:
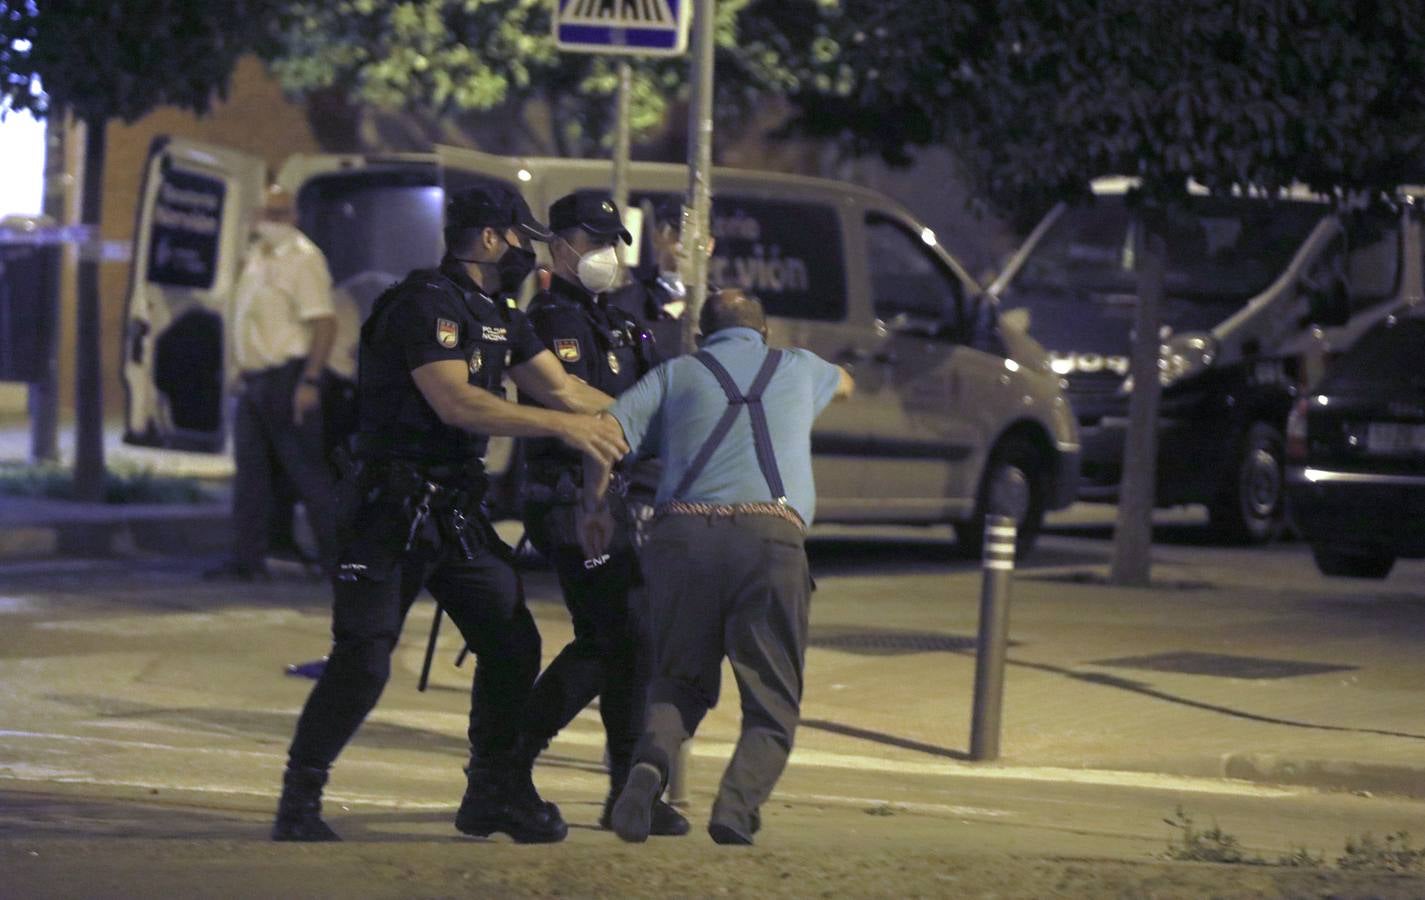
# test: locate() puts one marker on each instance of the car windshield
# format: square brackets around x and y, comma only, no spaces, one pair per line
[1222,251]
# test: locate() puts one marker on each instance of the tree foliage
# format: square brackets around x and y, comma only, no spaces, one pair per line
[108,59]
[1037,97]
[443,57]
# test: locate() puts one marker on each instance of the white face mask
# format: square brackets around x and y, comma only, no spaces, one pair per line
[598,269]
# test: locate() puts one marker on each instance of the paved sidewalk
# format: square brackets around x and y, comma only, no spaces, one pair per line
[1219,670]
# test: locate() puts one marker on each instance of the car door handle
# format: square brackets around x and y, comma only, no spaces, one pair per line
[853,355]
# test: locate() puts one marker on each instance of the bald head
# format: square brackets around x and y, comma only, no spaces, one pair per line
[732,308]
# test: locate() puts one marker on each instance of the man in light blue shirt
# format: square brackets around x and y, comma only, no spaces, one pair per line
[725,561]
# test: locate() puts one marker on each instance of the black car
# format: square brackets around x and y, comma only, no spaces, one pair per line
[1355,448]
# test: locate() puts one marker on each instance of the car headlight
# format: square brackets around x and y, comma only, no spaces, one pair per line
[1186,355]
[1182,357]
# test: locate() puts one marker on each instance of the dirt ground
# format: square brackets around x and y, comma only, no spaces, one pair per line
[71,845]
[219,868]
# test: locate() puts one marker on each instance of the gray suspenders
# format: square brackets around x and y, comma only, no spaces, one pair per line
[736,400]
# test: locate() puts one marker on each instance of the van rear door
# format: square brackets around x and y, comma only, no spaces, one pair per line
[195,209]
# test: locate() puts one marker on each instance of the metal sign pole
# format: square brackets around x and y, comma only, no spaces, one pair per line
[998,569]
[696,210]
[621,140]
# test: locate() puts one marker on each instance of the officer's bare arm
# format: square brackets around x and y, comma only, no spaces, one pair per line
[845,386]
[459,404]
[543,378]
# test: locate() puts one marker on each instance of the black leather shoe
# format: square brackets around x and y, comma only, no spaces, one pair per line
[723,831]
[664,820]
[508,803]
[299,812]
[632,816]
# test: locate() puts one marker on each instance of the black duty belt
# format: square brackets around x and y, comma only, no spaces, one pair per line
[423,448]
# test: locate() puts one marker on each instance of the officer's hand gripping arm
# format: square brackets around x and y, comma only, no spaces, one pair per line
[595,522]
[445,386]
[543,378]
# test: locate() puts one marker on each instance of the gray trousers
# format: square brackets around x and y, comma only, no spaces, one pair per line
[736,587]
[267,444]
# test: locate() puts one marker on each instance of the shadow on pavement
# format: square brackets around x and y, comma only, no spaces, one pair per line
[28,815]
[1137,687]
[880,737]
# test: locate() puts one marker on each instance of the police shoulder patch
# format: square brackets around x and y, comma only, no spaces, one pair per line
[567,349]
[447,333]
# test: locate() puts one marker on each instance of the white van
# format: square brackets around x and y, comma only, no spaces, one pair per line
[951,409]
[1251,284]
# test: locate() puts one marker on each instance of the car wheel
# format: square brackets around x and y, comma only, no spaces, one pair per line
[1013,485]
[1352,563]
[1248,510]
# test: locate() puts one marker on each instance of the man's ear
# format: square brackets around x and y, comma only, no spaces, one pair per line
[490,238]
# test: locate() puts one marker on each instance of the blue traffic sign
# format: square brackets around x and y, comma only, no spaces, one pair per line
[635,27]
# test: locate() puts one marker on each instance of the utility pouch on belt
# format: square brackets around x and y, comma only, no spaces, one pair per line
[381,519]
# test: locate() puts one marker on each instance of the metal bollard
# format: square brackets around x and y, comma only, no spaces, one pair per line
[677,793]
[998,569]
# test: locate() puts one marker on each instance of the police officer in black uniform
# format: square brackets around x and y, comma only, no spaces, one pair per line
[432,357]
[656,295]
[609,349]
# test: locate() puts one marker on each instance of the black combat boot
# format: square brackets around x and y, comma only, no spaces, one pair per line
[664,819]
[299,812]
[502,797]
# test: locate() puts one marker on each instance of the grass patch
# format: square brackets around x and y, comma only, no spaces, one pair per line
[1195,844]
[121,485]
[1365,853]
[1394,854]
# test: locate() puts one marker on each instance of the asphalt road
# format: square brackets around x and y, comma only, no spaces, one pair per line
[145,719]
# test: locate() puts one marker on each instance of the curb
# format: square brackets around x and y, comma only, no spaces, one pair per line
[58,529]
[1400,779]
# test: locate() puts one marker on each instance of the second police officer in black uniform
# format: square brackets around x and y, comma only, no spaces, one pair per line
[432,357]
[610,350]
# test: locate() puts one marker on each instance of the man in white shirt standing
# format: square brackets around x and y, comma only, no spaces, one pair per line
[283,327]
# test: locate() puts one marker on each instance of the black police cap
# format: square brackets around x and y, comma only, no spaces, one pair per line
[493,208]
[595,213]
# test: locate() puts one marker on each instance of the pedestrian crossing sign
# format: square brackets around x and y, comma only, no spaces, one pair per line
[633,27]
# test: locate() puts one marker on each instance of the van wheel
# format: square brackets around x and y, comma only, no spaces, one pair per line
[1013,485]
[1352,564]
[1248,509]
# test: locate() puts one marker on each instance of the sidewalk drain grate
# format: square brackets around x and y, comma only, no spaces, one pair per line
[893,642]
[1221,665]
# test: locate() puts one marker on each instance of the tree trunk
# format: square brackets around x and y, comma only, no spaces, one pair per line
[1133,536]
[44,392]
[89,385]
